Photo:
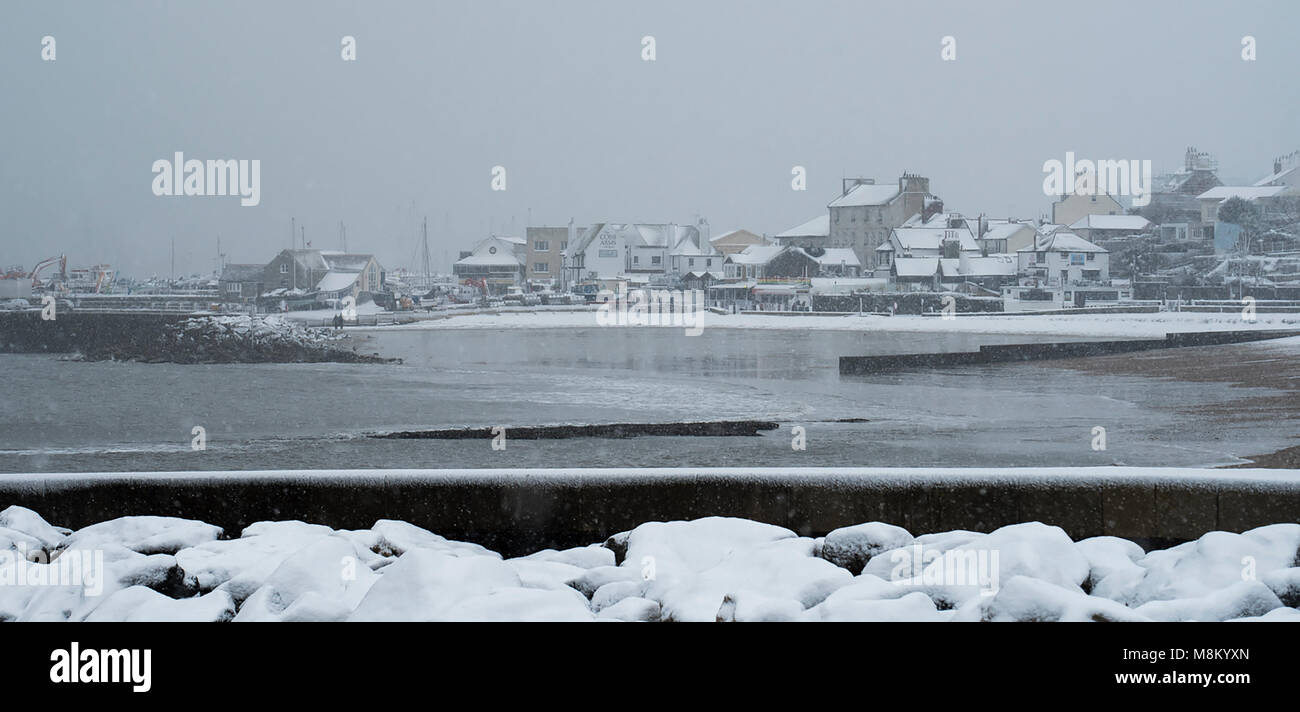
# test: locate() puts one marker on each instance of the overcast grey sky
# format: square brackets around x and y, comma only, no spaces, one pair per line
[557,93]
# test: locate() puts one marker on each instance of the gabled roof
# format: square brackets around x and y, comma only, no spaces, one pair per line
[866,194]
[1111,222]
[836,256]
[242,273]
[1004,230]
[916,266]
[931,238]
[1061,242]
[1251,192]
[756,254]
[1271,180]
[991,266]
[336,281]
[819,226]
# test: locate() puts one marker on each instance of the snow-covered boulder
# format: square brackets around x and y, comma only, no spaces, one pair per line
[522,605]
[1243,599]
[240,566]
[425,585]
[141,604]
[1110,556]
[397,538]
[779,568]
[1022,598]
[24,520]
[144,534]
[852,547]
[584,557]
[631,609]
[329,567]
[1199,568]
[845,606]
[537,573]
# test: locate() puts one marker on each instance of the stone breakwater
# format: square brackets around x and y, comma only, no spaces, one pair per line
[157,568]
[152,338]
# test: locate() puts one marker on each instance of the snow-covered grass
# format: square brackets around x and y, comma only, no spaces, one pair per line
[1098,325]
[711,569]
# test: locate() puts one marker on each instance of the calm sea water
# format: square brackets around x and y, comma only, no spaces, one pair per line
[62,416]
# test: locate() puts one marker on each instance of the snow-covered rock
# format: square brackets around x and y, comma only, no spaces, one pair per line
[240,566]
[631,609]
[914,606]
[144,534]
[1022,598]
[584,557]
[397,538]
[141,604]
[24,520]
[1244,599]
[1198,568]
[852,547]
[426,585]
[328,567]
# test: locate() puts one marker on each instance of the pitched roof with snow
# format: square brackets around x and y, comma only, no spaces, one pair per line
[1062,242]
[931,238]
[241,273]
[866,194]
[916,266]
[819,226]
[756,255]
[1273,179]
[835,256]
[992,266]
[336,281]
[1251,192]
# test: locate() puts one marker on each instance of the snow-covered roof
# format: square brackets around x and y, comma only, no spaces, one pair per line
[916,266]
[1062,242]
[866,194]
[835,256]
[1004,230]
[1271,180]
[949,267]
[991,266]
[1111,222]
[931,238]
[502,257]
[335,281]
[819,226]
[241,273]
[756,254]
[1245,192]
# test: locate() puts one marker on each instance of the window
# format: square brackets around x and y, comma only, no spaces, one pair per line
[564,245]
[656,259]
[284,268]
[636,259]
[690,262]
[541,267]
[542,245]
[1091,255]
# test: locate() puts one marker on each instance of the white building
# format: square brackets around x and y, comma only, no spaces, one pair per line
[497,261]
[1063,258]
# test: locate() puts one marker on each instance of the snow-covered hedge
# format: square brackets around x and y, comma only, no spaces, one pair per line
[712,569]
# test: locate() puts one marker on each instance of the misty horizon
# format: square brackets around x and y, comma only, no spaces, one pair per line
[559,95]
